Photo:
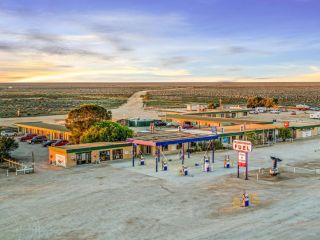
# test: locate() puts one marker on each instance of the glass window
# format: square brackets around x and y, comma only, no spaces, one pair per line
[104,155]
[165,148]
[83,158]
[117,154]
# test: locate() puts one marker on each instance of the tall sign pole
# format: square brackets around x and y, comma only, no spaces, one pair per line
[247,166]
[238,165]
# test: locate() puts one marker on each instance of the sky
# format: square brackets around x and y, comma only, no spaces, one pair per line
[159,41]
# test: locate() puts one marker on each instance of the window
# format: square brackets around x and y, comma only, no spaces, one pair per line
[104,155]
[117,154]
[165,148]
[83,158]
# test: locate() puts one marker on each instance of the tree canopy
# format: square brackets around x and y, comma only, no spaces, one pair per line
[81,119]
[252,137]
[284,133]
[258,101]
[106,131]
[7,145]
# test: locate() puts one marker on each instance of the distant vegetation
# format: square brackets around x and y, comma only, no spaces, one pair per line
[261,102]
[38,100]
[234,94]
[50,99]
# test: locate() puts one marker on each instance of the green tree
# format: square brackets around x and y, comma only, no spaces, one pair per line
[252,137]
[7,145]
[106,131]
[284,133]
[81,119]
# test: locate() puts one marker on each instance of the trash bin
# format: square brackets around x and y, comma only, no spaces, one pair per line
[142,162]
[165,167]
[186,171]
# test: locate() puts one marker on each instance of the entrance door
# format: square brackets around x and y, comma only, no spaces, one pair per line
[104,155]
[83,158]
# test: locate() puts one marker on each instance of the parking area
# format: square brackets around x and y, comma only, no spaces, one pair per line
[25,151]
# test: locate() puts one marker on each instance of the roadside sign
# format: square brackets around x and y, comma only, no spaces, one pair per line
[242,146]
[60,160]
[286,124]
[242,159]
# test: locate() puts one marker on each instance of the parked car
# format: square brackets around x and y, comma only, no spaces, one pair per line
[315,108]
[8,133]
[27,137]
[293,113]
[60,142]
[187,126]
[49,143]
[173,124]
[37,139]
[253,112]
[275,111]
[159,123]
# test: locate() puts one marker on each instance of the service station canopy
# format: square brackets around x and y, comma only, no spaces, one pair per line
[169,137]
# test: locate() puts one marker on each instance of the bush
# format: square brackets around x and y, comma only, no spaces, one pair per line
[7,145]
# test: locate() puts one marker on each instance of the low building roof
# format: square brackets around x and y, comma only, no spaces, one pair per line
[218,111]
[92,146]
[42,125]
[214,119]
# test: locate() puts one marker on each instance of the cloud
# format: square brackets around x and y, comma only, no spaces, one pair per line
[234,69]
[314,68]
[173,61]
[5,47]
[89,74]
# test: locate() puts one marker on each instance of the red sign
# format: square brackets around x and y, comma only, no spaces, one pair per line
[242,146]
[242,159]
[286,124]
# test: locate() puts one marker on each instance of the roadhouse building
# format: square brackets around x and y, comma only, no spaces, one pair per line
[72,155]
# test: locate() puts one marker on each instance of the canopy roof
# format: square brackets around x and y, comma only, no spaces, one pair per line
[167,138]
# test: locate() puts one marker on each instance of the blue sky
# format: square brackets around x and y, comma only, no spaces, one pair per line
[168,40]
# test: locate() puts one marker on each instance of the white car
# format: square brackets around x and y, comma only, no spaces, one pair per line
[8,133]
[275,111]
[173,124]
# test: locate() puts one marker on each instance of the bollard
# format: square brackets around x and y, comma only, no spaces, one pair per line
[7,172]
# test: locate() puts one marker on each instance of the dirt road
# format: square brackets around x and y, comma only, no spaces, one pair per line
[133,108]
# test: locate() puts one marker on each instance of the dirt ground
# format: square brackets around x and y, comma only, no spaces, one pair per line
[116,201]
